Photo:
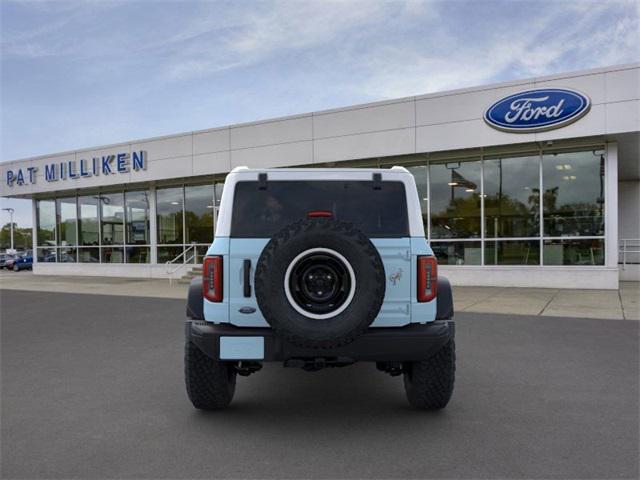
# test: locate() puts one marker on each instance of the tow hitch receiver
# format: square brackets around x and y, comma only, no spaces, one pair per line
[318,363]
[245,369]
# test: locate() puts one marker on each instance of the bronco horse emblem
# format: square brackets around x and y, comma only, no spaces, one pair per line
[395,277]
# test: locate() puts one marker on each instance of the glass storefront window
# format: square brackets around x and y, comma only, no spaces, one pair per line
[111,254]
[112,218]
[137,217]
[137,254]
[66,255]
[457,253]
[47,254]
[574,252]
[46,218]
[115,227]
[88,228]
[198,213]
[201,252]
[420,174]
[99,222]
[219,187]
[455,199]
[169,203]
[573,198]
[512,252]
[166,254]
[67,221]
[89,255]
[512,197]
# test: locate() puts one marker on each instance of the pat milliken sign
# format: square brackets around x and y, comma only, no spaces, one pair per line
[105,165]
[537,110]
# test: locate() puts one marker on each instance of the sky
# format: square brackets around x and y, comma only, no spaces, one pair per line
[87,73]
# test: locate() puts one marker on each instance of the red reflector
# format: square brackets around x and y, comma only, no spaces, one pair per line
[319,213]
[427,278]
[212,278]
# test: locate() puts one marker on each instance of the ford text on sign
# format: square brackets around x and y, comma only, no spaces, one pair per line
[537,110]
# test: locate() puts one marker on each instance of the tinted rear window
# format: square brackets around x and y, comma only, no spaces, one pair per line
[261,213]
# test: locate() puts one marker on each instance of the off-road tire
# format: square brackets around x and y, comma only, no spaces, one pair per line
[429,383]
[210,384]
[297,328]
[16,268]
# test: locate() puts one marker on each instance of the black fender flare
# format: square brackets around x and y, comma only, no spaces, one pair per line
[195,300]
[444,300]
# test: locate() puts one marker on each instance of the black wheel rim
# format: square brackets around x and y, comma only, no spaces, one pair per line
[319,283]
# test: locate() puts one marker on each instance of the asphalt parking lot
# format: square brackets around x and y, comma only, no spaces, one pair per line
[92,387]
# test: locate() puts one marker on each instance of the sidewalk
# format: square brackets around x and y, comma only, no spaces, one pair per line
[608,304]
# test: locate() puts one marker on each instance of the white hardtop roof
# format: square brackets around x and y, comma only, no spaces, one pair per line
[297,171]
[243,174]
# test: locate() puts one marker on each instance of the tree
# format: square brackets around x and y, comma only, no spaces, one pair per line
[22,237]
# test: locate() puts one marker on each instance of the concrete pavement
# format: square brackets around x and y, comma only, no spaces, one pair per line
[92,387]
[609,304]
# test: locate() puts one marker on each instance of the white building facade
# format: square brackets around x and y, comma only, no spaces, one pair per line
[531,183]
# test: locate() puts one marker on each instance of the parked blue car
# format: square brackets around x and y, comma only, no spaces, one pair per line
[23,262]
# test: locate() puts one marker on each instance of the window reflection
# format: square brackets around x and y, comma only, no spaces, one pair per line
[89,255]
[512,252]
[420,174]
[198,213]
[46,255]
[137,254]
[169,208]
[457,253]
[67,219]
[512,197]
[574,252]
[88,221]
[219,187]
[112,218]
[46,218]
[166,254]
[455,200]
[572,194]
[573,198]
[66,255]
[112,255]
[137,217]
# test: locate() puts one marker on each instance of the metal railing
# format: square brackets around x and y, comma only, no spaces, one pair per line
[628,246]
[186,260]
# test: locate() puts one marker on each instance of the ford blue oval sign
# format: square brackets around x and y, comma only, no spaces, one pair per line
[537,110]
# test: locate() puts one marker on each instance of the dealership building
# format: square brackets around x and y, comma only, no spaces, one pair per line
[533,182]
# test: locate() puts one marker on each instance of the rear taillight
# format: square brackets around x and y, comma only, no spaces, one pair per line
[212,278]
[319,214]
[427,278]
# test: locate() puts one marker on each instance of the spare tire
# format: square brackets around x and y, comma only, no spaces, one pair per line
[320,283]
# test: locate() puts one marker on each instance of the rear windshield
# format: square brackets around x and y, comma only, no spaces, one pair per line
[261,213]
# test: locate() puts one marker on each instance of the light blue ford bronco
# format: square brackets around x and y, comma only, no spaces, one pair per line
[320,268]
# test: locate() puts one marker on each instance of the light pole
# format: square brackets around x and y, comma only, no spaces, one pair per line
[10,210]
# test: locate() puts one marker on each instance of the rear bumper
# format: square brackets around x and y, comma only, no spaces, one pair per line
[411,343]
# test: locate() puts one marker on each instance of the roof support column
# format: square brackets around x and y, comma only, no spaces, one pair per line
[153,230]
[611,205]
[34,232]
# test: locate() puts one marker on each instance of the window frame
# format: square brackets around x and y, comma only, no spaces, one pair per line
[540,237]
[100,247]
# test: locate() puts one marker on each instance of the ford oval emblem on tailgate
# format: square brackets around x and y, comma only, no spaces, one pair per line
[247,310]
